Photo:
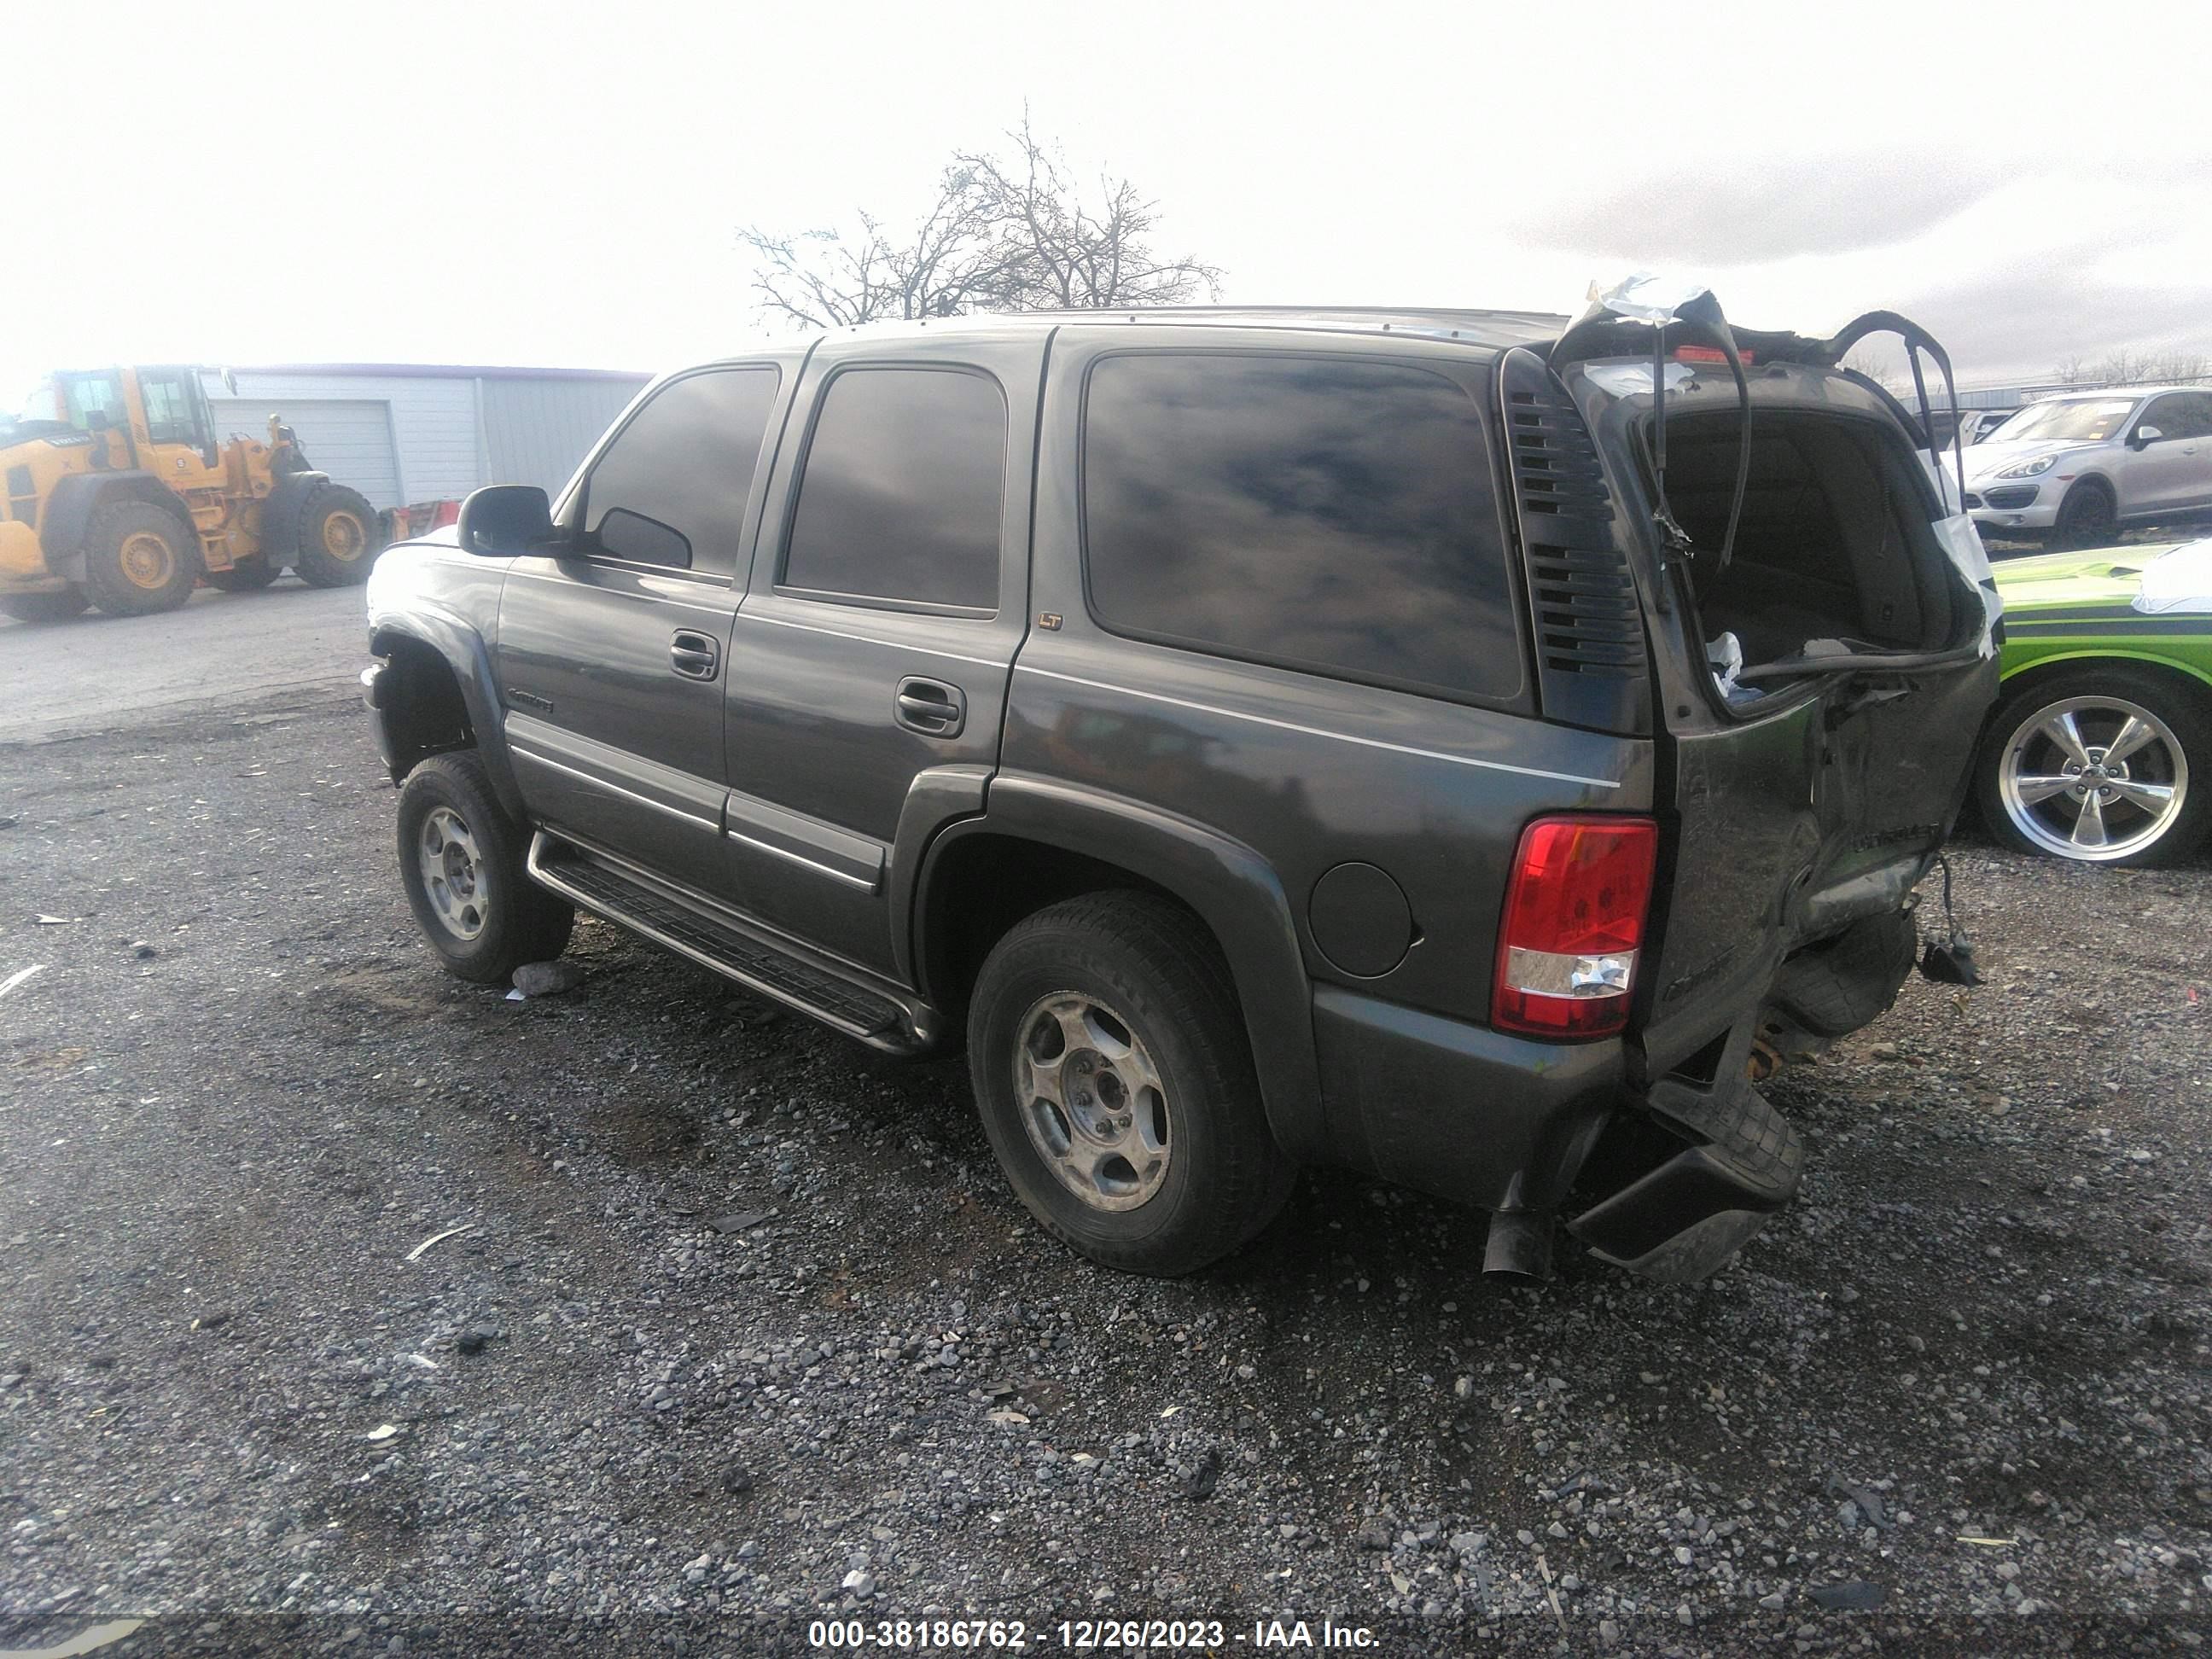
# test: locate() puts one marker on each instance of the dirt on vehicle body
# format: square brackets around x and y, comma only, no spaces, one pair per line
[1447,744]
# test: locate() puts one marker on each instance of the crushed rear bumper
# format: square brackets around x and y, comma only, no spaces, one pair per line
[1671,1180]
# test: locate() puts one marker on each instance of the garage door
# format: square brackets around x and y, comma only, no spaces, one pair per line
[350,440]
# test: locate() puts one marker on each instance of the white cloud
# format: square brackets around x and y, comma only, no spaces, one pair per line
[560,184]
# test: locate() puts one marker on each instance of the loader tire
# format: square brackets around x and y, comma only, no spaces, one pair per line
[245,575]
[44,607]
[338,537]
[139,558]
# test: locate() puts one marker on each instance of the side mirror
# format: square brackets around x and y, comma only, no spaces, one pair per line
[503,520]
[2147,434]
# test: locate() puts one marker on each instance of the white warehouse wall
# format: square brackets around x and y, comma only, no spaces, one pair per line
[434,420]
[450,429]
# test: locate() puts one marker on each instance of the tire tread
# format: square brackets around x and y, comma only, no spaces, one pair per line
[534,925]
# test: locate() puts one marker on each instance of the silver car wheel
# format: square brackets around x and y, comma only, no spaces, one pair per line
[2095,777]
[1092,1101]
[453,872]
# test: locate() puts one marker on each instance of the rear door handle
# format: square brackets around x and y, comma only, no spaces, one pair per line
[694,656]
[930,707]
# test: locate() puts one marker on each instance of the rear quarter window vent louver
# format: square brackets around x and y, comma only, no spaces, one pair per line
[1585,615]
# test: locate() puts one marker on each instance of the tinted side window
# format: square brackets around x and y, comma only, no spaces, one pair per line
[1330,515]
[672,487]
[901,489]
[2181,415]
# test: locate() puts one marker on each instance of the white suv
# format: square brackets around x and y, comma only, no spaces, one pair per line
[2075,470]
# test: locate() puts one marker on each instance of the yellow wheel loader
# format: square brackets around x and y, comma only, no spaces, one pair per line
[118,493]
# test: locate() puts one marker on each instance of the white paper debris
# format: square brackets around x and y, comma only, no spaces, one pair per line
[1962,541]
[1647,297]
[468,1227]
[1632,377]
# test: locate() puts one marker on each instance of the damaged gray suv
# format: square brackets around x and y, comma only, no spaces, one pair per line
[1456,744]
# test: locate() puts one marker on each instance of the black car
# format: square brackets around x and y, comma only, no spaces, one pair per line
[1451,744]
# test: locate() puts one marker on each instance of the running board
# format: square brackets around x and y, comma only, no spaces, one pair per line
[695,927]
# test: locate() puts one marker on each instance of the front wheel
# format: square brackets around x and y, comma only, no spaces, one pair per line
[1110,1064]
[2100,765]
[462,861]
[338,537]
[139,558]
[2088,517]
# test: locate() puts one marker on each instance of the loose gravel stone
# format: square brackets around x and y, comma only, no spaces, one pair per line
[600,1393]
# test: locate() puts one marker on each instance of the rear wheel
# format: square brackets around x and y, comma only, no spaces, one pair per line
[1111,1064]
[245,575]
[462,861]
[139,558]
[336,538]
[2088,517]
[45,607]
[2103,765]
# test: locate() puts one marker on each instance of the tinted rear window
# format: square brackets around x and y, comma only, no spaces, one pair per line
[899,497]
[1326,514]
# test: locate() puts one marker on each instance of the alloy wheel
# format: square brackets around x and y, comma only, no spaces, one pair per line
[2095,778]
[1092,1101]
[453,872]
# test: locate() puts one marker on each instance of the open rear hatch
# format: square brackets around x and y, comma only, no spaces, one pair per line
[1821,626]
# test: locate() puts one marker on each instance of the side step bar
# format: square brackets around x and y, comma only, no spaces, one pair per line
[708,933]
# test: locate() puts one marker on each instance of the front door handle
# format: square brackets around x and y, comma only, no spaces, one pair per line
[930,707]
[694,656]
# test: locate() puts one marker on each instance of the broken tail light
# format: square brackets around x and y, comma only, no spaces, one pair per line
[1574,921]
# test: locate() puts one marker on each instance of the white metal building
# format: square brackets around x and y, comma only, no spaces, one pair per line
[402,433]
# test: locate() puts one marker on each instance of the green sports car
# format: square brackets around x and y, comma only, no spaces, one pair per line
[2100,745]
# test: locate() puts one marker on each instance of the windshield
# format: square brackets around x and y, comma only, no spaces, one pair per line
[36,404]
[81,394]
[2068,419]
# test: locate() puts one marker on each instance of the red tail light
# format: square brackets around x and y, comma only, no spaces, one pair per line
[1574,922]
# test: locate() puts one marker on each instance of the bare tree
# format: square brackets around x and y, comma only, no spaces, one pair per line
[2179,365]
[1007,232]
[1878,363]
[2131,367]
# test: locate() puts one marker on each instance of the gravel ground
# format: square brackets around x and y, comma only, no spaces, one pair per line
[238,651]
[746,1331]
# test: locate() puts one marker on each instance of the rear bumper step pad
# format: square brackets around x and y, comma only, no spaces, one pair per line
[1681,1220]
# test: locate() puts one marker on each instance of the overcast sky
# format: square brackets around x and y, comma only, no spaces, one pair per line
[560,184]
